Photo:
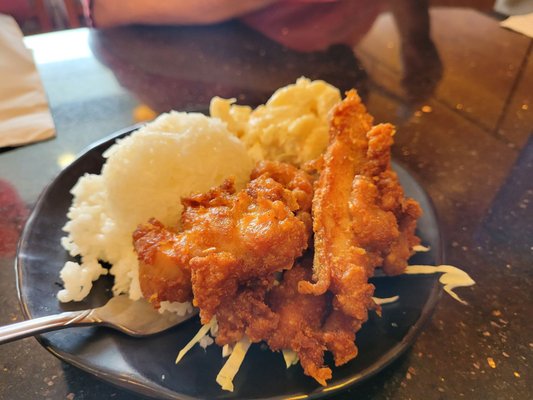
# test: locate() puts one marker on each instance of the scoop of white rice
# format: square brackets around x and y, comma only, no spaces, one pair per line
[145,175]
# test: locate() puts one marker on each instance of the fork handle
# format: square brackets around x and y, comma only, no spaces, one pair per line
[35,326]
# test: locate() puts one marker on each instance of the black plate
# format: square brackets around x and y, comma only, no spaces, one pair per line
[147,365]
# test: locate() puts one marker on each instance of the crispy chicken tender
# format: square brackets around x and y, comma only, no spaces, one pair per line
[361,219]
[228,240]
[344,156]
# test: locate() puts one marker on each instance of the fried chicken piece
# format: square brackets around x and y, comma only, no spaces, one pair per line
[344,157]
[309,325]
[339,336]
[391,198]
[339,199]
[360,217]
[259,233]
[296,181]
[246,314]
[164,274]
[227,240]
[395,261]
[300,323]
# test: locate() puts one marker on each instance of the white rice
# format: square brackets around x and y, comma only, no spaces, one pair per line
[174,307]
[145,175]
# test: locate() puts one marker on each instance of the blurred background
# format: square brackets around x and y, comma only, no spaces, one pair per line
[38,16]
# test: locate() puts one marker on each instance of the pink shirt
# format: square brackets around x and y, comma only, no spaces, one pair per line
[308,25]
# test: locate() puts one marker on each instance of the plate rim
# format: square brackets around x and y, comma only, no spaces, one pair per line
[152,389]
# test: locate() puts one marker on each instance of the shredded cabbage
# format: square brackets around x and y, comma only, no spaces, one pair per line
[385,300]
[291,357]
[452,278]
[226,350]
[421,249]
[199,335]
[231,367]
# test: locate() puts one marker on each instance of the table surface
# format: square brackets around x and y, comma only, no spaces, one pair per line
[464,133]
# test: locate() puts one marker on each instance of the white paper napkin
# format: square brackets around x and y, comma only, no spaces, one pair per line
[24,113]
[520,23]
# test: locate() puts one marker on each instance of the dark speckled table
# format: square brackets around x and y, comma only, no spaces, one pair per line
[464,131]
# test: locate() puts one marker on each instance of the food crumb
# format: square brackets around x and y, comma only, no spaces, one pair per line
[143,113]
[516,374]
[440,389]
[394,324]
[505,354]
[491,362]
[459,106]
[476,365]
[525,107]
[495,324]
[408,376]
[70,396]
[426,109]
[486,334]
[411,370]
[497,313]
[418,114]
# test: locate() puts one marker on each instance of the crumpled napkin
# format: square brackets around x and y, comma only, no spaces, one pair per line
[24,113]
[520,23]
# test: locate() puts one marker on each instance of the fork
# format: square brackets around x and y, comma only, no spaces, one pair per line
[135,318]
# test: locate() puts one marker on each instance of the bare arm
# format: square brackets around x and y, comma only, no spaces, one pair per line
[107,13]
